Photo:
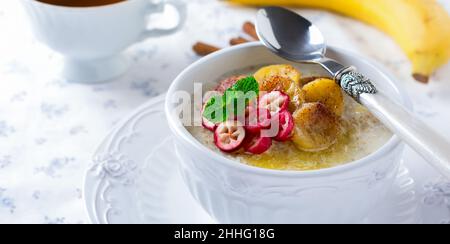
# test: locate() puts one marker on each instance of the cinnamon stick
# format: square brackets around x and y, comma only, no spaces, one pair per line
[203,49]
[422,78]
[238,40]
[250,29]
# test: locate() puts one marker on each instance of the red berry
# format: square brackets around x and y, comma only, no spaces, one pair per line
[275,102]
[229,136]
[286,126]
[227,83]
[255,144]
[257,119]
[206,123]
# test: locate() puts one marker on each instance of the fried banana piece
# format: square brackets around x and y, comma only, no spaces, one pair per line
[286,85]
[316,128]
[327,92]
[275,83]
[283,78]
[281,70]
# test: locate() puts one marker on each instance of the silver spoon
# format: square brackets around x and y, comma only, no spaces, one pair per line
[293,37]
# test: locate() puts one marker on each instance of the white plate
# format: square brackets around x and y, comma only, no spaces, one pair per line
[134,178]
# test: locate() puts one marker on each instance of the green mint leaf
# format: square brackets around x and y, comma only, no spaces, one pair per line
[245,90]
[215,110]
[248,84]
[233,101]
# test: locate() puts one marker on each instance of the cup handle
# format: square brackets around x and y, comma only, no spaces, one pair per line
[182,15]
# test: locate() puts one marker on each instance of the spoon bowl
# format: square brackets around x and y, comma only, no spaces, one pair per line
[299,40]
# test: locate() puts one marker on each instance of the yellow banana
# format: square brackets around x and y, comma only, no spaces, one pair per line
[327,92]
[420,27]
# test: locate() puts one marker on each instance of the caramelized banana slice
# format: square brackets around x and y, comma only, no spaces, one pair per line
[327,92]
[285,71]
[286,85]
[283,78]
[275,83]
[316,128]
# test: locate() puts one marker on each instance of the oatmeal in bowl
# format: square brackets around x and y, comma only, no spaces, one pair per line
[315,125]
[296,150]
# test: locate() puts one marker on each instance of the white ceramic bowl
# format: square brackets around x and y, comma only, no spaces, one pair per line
[237,193]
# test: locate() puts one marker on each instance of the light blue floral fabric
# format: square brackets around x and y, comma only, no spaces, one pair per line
[49,128]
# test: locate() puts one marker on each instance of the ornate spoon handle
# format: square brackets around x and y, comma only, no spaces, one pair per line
[424,140]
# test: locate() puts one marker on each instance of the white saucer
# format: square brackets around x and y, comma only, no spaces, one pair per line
[134,178]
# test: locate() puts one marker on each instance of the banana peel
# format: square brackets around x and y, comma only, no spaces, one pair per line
[420,27]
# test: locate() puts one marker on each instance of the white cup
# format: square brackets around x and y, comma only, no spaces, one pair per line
[92,39]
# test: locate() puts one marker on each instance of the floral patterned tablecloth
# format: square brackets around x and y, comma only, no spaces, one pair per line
[49,128]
